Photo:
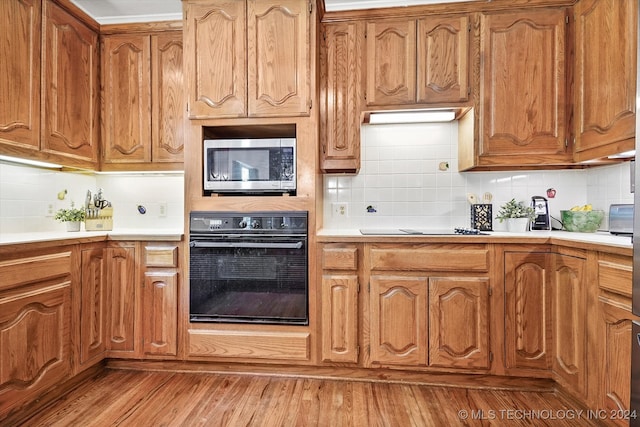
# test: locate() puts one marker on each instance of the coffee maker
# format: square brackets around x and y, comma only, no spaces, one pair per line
[542,219]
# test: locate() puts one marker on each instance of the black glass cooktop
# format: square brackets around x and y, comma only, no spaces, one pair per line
[424,232]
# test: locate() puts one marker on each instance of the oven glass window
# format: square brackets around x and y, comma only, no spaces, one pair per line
[249,281]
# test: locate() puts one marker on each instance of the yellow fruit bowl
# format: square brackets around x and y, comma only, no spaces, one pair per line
[582,221]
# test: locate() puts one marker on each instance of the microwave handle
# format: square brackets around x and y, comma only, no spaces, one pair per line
[201,244]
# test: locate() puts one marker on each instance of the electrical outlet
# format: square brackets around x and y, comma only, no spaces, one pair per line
[340,209]
[50,210]
[162,209]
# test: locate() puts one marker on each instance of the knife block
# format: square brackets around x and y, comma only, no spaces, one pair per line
[102,222]
[482,216]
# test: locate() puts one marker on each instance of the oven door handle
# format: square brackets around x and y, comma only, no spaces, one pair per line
[201,244]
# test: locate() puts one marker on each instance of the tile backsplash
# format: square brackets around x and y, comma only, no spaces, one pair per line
[400,183]
[26,193]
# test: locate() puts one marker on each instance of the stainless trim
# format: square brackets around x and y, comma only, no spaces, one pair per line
[200,244]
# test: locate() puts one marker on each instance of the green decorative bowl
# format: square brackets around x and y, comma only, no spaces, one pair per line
[582,221]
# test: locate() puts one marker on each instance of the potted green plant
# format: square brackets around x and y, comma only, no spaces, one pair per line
[517,215]
[72,216]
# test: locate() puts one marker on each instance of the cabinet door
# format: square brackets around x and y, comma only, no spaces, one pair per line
[443,59]
[160,312]
[340,318]
[459,322]
[340,109]
[167,120]
[71,87]
[35,350]
[122,307]
[605,77]
[527,310]
[216,64]
[569,321]
[93,306]
[523,99]
[126,81]
[615,383]
[391,62]
[398,320]
[20,21]
[278,42]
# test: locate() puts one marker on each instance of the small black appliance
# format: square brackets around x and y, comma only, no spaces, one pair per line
[542,219]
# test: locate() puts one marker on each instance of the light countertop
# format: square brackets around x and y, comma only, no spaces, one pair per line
[597,238]
[117,234]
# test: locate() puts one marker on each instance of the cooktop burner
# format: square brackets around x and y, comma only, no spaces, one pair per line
[424,232]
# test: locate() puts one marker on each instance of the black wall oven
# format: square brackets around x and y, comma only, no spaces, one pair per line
[249,267]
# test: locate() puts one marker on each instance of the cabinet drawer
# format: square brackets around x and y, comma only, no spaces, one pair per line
[337,258]
[440,258]
[34,269]
[615,274]
[161,256]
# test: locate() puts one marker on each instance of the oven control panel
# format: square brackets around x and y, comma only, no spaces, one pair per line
[216,222]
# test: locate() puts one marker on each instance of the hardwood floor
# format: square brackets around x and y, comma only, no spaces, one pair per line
[143,398]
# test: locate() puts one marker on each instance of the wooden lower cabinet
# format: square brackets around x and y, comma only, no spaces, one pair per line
[35,343]
[160,312]
[569,303]
[615,379]
[610,369]
[459,322]
[142,315]
[122,300]
[527,293]
[398,325]
[340,318]
[339,304]
[93,310]
[35,324]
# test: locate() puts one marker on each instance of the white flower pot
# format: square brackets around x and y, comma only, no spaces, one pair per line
[518,225]
[73,225]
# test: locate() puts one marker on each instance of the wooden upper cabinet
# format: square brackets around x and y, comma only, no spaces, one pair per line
[278,42]
[20,68]
[391,62]
[71,88]
[523,88]
[418,62]
[605,73]
[167,119]
[215,61]
[443,59]
[126,79]
[247,58]
[340,103]
[142,98]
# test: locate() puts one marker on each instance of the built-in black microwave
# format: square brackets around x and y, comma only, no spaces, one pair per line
[250,166]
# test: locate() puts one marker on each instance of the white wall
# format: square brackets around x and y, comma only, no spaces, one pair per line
[26,192]
[400,178]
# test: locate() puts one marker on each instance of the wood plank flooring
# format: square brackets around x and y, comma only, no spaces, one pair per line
[143,398]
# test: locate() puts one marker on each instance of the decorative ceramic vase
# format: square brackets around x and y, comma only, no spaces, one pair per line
[518,225]
[73,225]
